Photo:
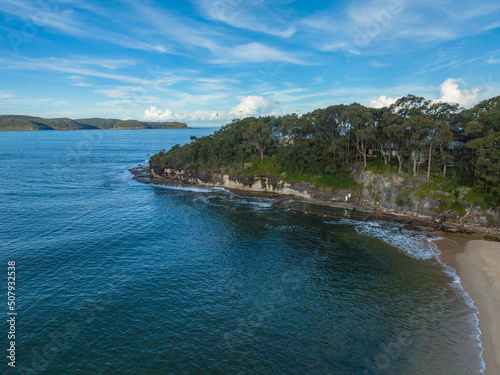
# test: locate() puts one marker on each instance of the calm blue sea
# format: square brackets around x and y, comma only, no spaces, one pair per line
[118,277]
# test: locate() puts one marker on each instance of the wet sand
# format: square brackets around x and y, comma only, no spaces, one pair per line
[478,266]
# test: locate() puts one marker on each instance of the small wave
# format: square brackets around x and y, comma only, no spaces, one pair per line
[257,204]
[186,188]
[456,283]
[415,245]
[344,222]
[353,223]
[418,246]
[284,228]
[422,247]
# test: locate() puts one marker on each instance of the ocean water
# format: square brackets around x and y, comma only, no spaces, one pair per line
[118,277]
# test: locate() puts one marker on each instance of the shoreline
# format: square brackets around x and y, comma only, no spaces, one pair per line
[477,264]
[473,254]
[368,211]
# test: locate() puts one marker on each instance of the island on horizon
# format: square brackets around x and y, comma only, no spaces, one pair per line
[20,122]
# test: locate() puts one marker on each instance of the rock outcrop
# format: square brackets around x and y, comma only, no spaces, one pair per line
[384,194]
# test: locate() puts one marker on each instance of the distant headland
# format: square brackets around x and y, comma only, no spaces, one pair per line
[16,122]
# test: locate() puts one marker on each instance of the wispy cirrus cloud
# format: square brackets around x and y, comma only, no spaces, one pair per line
[263,17]
[256,52]
[374,26]
[224,49]
[148,26]
[5,95]
[199,59]
[64,18]
[92,67]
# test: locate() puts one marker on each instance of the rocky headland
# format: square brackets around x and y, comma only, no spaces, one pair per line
[385,197]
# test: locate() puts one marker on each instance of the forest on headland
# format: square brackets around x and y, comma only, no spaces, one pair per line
[16,122]
[440,145]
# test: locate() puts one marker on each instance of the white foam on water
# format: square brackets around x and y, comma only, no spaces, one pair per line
[255,202]
[419,246]
[344,222]
[258,203]
[186,188]
[457,284]
[284,228]
[416,245]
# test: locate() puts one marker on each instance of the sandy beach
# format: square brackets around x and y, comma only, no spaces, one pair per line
[478,265]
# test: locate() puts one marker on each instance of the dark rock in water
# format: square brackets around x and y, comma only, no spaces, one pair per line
[413,228]
[467,230]
[406,221]
[420,214]
[491,238]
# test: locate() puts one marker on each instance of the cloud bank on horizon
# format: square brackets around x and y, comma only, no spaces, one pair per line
[207,62]
[449,90]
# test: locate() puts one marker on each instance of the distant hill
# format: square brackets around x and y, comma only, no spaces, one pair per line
[15,122]
[167,125]
[99,123]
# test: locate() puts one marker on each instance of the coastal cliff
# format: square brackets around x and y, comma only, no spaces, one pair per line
[390,197]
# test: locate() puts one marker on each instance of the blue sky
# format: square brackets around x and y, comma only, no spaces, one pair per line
[206,62]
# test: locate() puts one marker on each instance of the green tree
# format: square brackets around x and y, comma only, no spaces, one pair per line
[258,137]
[437,130]
[359,121]
[413,111]
[483,133]
[397,134]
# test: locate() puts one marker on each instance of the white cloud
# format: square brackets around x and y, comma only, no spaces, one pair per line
[5,95]
[493,60]
[449,90]
[156,114]
[76,66]
[318,80]
[382,101]
[377,64]
[451,93]
[121,92]
[256,52]
[63,17]
[204,116]
[374,26]
[249,106]
[253,106]
[250,15]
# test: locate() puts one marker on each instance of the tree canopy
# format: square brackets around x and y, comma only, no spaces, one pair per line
[459,144]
